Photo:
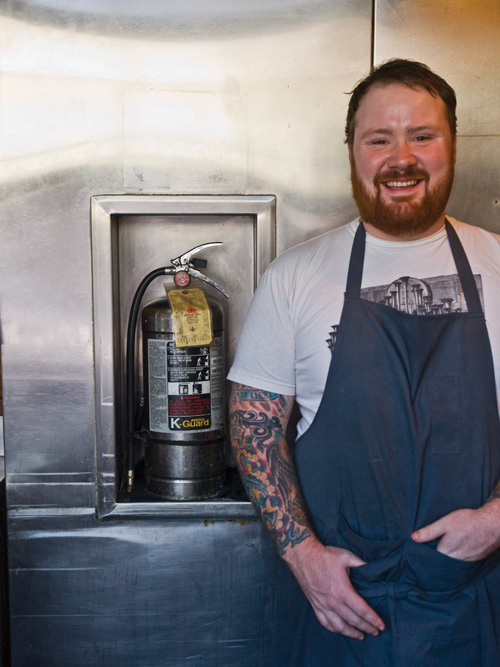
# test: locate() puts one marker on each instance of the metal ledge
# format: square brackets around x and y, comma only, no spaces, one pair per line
[209,510]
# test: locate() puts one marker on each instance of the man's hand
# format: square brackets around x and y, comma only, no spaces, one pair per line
[323,575]
[466,534]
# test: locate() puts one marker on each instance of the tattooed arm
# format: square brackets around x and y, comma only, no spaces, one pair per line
[258,425]
[258,422]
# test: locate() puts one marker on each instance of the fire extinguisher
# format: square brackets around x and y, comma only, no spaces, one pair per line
[183,417]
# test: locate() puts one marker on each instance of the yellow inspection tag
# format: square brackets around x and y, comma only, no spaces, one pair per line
[192,322]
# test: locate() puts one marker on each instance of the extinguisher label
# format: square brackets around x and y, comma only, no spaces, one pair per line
[185,386]
[191,317]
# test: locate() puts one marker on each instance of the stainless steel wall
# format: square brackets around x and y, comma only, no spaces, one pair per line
[215,98]
[460,41]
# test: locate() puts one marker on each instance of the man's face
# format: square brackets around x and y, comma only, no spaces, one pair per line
[402,161]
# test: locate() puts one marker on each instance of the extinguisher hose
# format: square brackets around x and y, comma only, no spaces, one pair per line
[131,434]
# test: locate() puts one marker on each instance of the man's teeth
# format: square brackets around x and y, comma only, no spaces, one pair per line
[401,184]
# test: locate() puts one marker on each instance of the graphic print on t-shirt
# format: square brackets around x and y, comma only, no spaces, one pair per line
[438,295]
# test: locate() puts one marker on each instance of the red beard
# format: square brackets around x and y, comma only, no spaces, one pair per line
[402,217]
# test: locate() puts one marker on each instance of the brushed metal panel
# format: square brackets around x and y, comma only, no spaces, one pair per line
[176,19]
[475,197]
[47,352]
[143,595]
[459,40]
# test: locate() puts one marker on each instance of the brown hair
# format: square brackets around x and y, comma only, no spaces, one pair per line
[410,73]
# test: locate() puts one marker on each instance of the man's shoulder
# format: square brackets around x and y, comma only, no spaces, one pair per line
[481,246]
[319,248]
[466,230]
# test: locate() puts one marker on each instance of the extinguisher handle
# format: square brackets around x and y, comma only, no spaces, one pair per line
[184,260]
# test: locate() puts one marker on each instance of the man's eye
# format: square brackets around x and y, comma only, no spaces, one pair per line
[379,142]
[422,137]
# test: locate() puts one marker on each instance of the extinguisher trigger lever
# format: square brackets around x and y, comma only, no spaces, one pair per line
[185,259]
[197,274]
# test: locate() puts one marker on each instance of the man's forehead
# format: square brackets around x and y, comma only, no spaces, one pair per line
[382,95]
[387,86]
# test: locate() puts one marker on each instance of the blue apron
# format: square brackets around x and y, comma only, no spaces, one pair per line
[407,431]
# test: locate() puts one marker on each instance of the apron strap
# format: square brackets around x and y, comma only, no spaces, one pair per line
[355,273]
[463,269]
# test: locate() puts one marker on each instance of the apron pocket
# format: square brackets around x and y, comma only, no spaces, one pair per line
[383,557]
[424,596]
[435,573]
[407,565]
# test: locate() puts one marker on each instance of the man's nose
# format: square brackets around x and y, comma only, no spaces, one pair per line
[402,155]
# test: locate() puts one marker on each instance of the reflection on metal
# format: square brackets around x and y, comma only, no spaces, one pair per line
[175,18]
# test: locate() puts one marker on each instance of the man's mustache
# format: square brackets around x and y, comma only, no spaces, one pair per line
[409,174]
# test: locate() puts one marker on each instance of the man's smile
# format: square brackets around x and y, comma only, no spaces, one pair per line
[401,184]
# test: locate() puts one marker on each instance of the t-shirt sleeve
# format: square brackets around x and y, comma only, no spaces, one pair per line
[265,356]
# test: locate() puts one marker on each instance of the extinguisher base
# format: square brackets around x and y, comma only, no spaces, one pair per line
[185,471]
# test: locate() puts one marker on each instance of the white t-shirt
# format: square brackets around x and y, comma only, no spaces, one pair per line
[285,346]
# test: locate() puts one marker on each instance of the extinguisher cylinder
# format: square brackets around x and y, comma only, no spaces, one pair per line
[184,407]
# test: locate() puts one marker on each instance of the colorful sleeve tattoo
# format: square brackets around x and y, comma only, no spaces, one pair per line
[258,423]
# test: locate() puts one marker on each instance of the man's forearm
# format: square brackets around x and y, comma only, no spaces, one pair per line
[258,424]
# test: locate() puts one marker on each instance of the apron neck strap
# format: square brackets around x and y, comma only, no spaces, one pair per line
[355,273]
[464,271]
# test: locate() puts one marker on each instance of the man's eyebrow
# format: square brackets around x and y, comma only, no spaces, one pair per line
[422,128]
[383,131]
[376,130]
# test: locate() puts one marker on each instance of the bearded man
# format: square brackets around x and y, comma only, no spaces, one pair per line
[387,513]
